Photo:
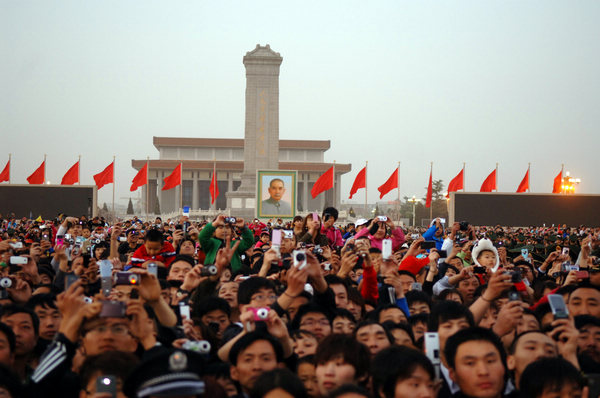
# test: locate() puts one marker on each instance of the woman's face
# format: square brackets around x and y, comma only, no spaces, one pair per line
[333,374]
[306,373]
[310,223]
[380,234]
[222,232]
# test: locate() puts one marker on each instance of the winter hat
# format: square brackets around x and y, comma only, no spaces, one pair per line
[485,244]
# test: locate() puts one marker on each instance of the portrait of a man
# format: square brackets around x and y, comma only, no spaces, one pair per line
[276,194]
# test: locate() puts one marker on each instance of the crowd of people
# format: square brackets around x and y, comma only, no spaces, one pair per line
[301,308]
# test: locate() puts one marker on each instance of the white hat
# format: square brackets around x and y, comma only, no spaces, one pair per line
[485,244]
[361,221]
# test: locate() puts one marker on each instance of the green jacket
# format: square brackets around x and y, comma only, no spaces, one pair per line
[211,245]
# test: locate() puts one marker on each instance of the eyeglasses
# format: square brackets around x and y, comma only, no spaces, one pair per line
[117,329]
[314,322]
[260,297]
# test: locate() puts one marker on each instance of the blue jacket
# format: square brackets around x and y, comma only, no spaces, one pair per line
[430,235]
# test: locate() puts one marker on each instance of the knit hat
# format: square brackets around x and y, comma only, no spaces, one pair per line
[485,244]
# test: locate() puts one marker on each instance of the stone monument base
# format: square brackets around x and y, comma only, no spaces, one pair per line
[242,204]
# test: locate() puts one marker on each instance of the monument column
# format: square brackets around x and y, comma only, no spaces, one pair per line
[261,136]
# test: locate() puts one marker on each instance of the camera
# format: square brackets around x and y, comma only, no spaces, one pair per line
[382,218]
[515,276]
[95,241]
[327,267]
[7,283]
[260,314]
[69,239]
[230,220]
[200,346]
[464,225]
[299,258]
[317,250]
[208,270]
[113,309]
[127,278]
[479,270]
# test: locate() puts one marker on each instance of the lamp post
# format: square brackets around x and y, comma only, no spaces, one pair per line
[414,201]
[569,183]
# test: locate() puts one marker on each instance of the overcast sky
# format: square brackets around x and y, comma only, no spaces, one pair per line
[386,81]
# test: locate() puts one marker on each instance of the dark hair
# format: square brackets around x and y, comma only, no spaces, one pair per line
[12,309]
[117,363]
[252,285]
[335,280]
[582,321]
[278,378]
[355,296]
[475,333]
[343,313]
[448,310]
[407,273]
[10,336]
[10,381]
[414,296]
[397,363]
[346,347]
[47,300]
[513,345]
[377,312]
[418,318]
[306,309]
[298,333]
[349,388]
[332,211]
[548,373]
[248,339]
[210,304]
[390,326]
[369,322]
[154,235]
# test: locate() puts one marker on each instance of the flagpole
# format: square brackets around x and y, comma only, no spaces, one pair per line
[181,186]
[431,175]
[147,187]
[496,177]
[334,201]
[113,203]
[44,169]
[366,164]
[562,176]
[79,170]
[9,166]
[399,182]
[528,176]
[214,184]
[464,183]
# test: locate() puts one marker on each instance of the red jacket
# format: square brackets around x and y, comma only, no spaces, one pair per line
[165,256]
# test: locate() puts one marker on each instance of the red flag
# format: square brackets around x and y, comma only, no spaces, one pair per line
[457,182]
[172,180]
[324,183]
[391,183]
[429,190]
[106,176]
[214,187]
[359,182]
[140,179]
[5,175]
[557,187]
[71,176]
[524,185]
[39,175]
[490,183]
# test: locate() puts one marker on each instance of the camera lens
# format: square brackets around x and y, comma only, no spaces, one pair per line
[300,257]
[5,283]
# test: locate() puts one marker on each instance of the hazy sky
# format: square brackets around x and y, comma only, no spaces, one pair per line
[386,81]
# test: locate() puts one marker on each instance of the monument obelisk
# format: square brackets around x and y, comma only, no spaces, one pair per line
[261,135]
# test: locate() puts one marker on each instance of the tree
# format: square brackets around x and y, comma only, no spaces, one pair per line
[130,207]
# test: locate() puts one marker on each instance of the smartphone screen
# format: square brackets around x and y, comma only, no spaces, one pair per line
[276,241]
[315,216]
[557,304]
[386,249]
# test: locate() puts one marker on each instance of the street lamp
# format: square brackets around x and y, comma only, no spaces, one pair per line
[414,202]
[569,183]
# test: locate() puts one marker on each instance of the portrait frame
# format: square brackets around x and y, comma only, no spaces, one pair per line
[263,181]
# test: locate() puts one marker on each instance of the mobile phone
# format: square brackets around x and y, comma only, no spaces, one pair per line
[276,240]
[428,244]
[432,347]
[18,260]
[60,241]
[152,269]
[16,245]
[288,234]
[106,277]
[113,309]
[558,307]
[565,251]
[106,384]
[478,270]
[513,295]
[315,216]
[186,211]
[442,253]
[582,274]
[416,286]
[414,236]
[525,253]
[184,311]
[392,294]
[70,279]
[386,249]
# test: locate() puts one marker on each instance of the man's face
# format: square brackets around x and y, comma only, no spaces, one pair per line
[478,370]
[401,337]
[228,291]
[49,321]
[262,298]
[22,326]
[108,334]
[86,233]
[374,337]
[467,288]
[306,373]
[317,323]
[257,358]
[178,270]
[419,384]
[419,330]
[276,190]
[219,317]
[589,341]
[530,348]
[392,314]
[6,356]
[584,301]
[305,345]
[343,325]
[341,295]
[152,248]
[406,281]
[295,304]
[449,327]
[418,307]
[333,374]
